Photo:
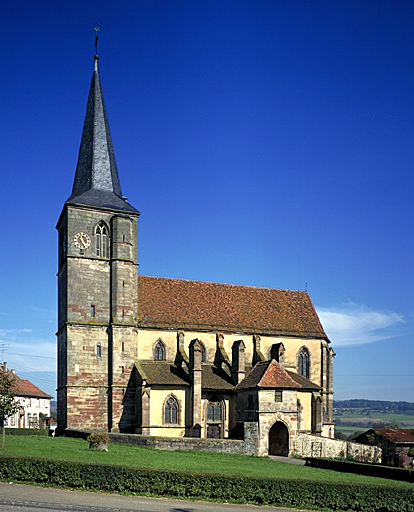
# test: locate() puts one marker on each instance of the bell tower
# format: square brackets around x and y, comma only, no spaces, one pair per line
[97,284]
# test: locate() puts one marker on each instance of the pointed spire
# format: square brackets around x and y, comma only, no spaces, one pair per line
[96,179]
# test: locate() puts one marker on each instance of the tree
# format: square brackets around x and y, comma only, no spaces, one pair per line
[8,404]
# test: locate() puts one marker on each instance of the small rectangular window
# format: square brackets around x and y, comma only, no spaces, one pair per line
[123,347]
[278,396]
[92,311]
[122,369]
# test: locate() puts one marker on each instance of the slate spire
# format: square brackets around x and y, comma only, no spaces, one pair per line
[96,179]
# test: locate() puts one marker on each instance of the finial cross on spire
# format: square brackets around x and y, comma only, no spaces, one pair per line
[97,30]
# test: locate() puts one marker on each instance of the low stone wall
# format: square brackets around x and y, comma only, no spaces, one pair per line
[313,446]
[246,447]
[181,443]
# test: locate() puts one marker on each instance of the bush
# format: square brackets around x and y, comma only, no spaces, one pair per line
[98,438]
[404,475]
[178,484]
[26,432]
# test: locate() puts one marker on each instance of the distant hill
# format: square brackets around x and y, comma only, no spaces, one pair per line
[375,406]
[354,416]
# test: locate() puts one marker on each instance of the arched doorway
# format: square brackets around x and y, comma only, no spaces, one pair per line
[279,440]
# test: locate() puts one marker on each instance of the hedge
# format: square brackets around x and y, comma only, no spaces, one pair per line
[403,475]
[27,431]
[177,484]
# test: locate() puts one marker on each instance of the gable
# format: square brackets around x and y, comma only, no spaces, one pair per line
[269,374]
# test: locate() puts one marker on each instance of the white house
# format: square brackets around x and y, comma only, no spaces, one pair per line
[34,402]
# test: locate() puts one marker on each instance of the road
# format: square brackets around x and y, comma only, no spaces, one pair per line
[22,498]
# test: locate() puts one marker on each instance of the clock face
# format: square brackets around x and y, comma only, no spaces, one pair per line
[82,240]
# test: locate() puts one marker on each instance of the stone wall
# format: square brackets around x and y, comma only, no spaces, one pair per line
[314,446]
[246,447]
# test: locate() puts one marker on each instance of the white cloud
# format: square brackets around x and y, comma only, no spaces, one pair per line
[12,332]
[355,324]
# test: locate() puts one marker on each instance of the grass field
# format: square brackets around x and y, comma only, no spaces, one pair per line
[62,448]
[363,421]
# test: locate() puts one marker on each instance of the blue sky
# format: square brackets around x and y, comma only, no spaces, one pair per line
[266,143]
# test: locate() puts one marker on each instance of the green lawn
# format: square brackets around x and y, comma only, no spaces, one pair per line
[405,420]
[213,463]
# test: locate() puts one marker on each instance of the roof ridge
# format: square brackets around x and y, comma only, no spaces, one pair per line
[257,287]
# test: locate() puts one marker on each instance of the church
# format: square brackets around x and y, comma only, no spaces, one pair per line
[171,357]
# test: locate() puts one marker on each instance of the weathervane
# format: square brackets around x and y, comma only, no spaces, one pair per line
[97,30]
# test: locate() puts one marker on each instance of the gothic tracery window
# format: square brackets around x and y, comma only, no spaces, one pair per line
[304,363]
[101,240]
[171,409]
[214,410]
[159,351]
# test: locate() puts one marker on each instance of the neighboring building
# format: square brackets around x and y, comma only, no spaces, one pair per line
[33,400]
[397,444]
[170,357]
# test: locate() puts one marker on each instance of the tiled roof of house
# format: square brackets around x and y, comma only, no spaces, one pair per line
[268,374]
[166,303]
[25,388]
[304,382]
[396,435]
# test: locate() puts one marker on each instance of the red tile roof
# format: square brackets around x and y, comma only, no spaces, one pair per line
[197,305]
[268,374]
[25,388]
[396,435]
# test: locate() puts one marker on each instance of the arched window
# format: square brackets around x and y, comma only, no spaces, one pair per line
[171,409]
[101,240]
[215,410]
[98,350]
[159,351]
[304,366]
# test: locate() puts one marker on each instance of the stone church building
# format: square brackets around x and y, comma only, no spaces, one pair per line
[172,357]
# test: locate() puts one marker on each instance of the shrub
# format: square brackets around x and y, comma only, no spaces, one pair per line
[26,432]
[346,466]
[179,484]
[97,438]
